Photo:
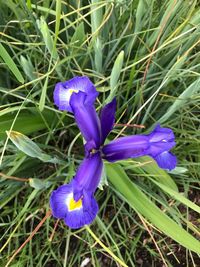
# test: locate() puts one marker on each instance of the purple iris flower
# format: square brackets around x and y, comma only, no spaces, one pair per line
[75,202]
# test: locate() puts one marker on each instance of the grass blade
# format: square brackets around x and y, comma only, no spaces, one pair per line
[10,64]
[141,204]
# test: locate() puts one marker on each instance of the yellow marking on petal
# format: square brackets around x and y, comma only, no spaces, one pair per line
[73,205]
[71,91]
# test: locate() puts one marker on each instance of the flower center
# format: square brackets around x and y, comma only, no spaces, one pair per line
[74,205]
[93,151]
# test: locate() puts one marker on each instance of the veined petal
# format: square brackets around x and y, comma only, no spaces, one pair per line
[88,175]
[76,214]
[64,90]
[107,118]
[126,147]
[58,200]
[160,134]
[161,140]
[166,160]
[86,118]
[159,147]
[85,215]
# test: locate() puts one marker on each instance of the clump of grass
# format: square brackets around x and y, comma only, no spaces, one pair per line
[145,53]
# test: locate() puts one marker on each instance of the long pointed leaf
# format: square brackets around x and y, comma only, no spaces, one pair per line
[140,203]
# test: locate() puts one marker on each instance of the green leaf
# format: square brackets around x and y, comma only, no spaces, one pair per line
[43,27]
[28,68]
[78,37]
[10,64]
[27,122]
[43,95]
[150,167]
[39,184]
[115,74]
[181,100]
[141,204]
[96,20]
[26,145]
[116,70]
[178,196]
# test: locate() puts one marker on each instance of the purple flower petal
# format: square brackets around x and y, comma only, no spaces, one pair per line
[126,147]
[88,175]
[160,139]
[85,215]
[76,214]
[86,118]
[159,134]
[107,118]
[64,91]
[58,200]
[156,144]
[166,160]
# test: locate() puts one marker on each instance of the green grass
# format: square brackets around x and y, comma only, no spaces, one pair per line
[146,53]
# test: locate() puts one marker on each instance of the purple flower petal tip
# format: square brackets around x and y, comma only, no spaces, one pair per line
[76,214]
[64,90]
[166,160]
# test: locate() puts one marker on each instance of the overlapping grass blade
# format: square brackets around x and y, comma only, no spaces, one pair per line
[139,202]
[10,64]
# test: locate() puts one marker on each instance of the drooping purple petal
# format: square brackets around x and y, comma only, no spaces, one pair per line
[107,118]
[64,90]
[166,160]
[88,175]
[75,214]
[58,200]
[84,216]
[86,118]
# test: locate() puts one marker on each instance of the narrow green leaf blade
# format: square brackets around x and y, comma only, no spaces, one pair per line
[155,172]
[140,203]
[179,197]
[181,100]
[116,70]
[10,64]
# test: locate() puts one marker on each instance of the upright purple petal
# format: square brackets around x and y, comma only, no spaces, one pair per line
[107,118]
[86,118]
[64,90]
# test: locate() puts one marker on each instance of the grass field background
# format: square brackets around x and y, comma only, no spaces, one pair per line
[146,54]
